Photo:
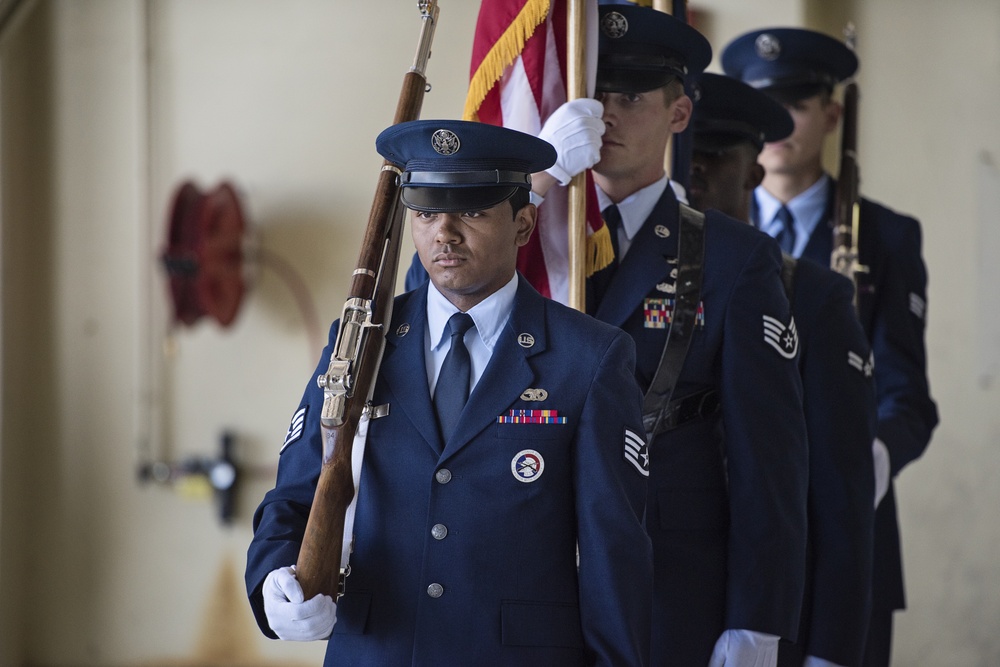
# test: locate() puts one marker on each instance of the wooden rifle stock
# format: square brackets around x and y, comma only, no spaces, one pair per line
[354,362]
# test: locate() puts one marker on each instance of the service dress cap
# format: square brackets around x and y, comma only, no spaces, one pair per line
[640,49]
[456,165]
[789,63]
[728,111]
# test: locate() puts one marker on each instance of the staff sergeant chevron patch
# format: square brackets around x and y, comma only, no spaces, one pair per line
[784,339]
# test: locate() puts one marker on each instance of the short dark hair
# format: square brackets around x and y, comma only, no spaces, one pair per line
[518,200]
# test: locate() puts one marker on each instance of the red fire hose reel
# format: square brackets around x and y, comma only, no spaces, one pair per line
[204,254]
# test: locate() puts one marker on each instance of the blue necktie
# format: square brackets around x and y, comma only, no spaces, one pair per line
[613,219]
[786,237]
[452,390]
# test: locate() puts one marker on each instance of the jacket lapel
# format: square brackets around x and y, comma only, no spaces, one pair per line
[509,373]
[404,369]
[645,263]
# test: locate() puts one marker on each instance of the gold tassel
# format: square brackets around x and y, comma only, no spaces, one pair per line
[600,252]
[502,54]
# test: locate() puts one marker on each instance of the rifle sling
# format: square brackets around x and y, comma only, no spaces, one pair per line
[659,414]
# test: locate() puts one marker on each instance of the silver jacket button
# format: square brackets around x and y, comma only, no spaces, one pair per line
[435,590]
[439,531]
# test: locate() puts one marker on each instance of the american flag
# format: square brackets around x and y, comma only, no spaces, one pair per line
[517,80]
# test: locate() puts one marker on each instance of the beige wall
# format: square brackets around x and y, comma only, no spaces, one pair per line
[285,99]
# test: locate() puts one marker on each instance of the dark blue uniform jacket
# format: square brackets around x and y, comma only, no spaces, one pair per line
[894,301]
[501,545]
[839,402]
[727,493]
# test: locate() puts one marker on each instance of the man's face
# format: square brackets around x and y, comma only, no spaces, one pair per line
[469,255]
[802,151]
[638,128]
[725,179]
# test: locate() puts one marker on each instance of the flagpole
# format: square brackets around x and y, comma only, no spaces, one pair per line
[576,87]
[667,7]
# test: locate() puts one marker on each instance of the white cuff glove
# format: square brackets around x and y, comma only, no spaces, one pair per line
[745,648]
[883,471]
[575,129]
[813,661]
[291,616]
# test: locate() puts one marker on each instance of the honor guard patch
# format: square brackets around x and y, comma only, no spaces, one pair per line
[917,305]
[784,339]
[531,417]
[659,313]
[864,366]
[527,465]
[296,427]
[637,452]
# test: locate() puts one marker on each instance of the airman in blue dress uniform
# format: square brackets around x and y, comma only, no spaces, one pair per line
[800,68]
[727,487]
[732,122]
[508,532]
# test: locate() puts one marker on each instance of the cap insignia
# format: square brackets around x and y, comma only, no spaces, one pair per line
[768,47]
[445,142]
[614,25]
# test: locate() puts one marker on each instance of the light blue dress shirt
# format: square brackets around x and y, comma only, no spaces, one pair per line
[489,315]
[808,210]
[634,210]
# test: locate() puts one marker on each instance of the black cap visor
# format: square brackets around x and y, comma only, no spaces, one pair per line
[788,91]
[455,199]
[628,73]
[721,142]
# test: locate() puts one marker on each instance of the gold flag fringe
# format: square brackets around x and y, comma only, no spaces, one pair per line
[502,54]
[600,253]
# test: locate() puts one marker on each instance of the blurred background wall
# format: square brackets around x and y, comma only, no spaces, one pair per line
[106,106]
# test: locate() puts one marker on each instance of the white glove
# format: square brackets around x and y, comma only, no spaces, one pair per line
[745,648]
[883,471]
[291,616]
[575,129]
[813,661]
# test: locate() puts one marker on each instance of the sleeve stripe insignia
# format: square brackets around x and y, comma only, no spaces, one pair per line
[917,305]
[637,452]
[862,365]
[784,339]
[296,427]
[531,417]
